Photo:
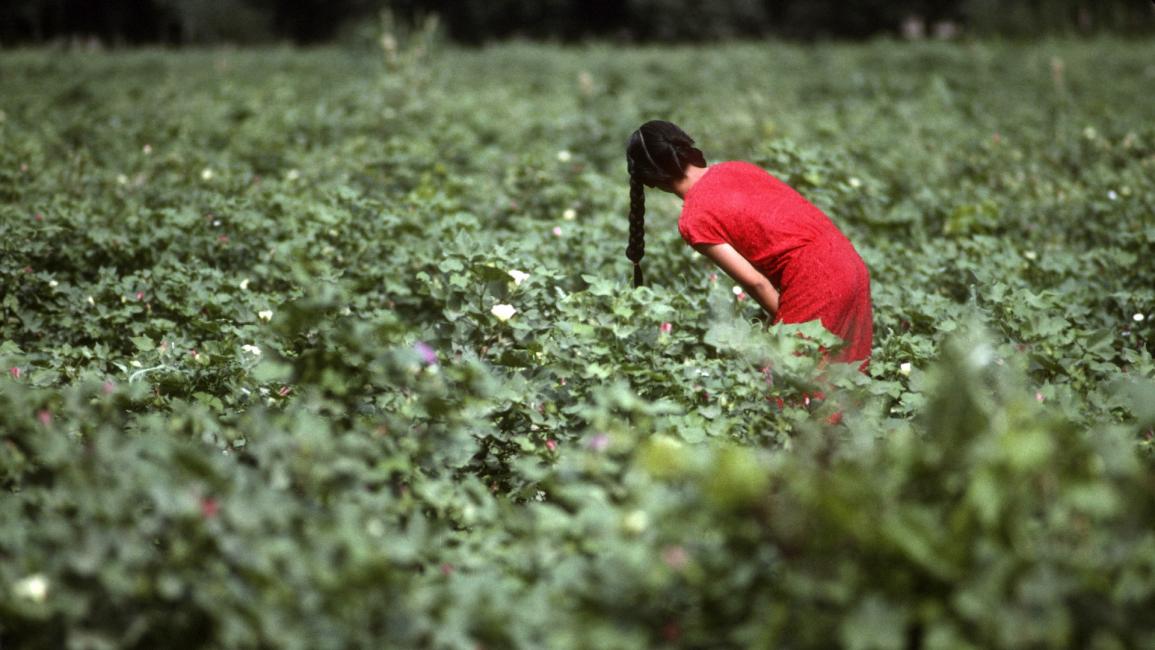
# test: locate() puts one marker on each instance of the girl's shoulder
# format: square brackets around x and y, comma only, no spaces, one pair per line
[725,184]
[734,175]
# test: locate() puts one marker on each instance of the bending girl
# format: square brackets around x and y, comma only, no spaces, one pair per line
[779,247]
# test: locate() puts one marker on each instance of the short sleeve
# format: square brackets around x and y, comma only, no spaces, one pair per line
[698,226]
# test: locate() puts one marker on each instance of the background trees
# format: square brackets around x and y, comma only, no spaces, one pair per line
[477,21]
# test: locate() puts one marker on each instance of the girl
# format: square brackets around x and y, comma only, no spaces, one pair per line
[778,246]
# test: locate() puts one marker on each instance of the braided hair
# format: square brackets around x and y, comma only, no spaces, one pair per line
[656,156]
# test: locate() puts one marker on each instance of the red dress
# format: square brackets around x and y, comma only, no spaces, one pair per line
[817,271]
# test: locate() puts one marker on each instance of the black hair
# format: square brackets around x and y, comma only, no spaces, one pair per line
[656,156]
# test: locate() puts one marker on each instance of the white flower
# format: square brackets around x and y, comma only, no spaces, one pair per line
[1031,255]
[147,149]
[586,82]
[636,522]
[134,363]
[122,179]
[564,156]
[91,301]
[53,283]
[265,315]
[252,349]
[244,285]
[981,355]
[1112,195]
[293,175]
[206,174]
[904,367]
[855,183]
[34,588]
[375,528]
[518,276]
[503,312]
[569,215]
[737,290]
[1138,318]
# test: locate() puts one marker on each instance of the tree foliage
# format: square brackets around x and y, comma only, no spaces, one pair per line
[477,21]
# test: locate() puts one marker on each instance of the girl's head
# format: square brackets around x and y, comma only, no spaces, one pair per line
[656,156]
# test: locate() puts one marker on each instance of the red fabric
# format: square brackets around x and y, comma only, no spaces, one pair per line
[817,271]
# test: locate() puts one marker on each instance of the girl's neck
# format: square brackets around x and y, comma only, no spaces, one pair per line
[693,173]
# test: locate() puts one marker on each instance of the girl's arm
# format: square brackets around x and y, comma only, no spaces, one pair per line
[744,273]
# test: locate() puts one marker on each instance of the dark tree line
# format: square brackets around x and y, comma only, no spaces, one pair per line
[476,21]
[180,21]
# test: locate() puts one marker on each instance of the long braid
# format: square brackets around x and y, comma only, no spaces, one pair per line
[637,246]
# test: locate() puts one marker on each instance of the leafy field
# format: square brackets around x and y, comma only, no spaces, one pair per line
[256,392]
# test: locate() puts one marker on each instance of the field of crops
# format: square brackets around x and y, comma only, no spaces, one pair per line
[338,349]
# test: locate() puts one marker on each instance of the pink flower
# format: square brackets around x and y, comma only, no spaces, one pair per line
[209,507]
[446,568]
[45,417]
[39,217]
[285,390]
[14,372]
[551,444]
[599,442]
[666,327]
[557,231]
[427,353]
[109,387]
[140,295]
[1039,396]
[675,557]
